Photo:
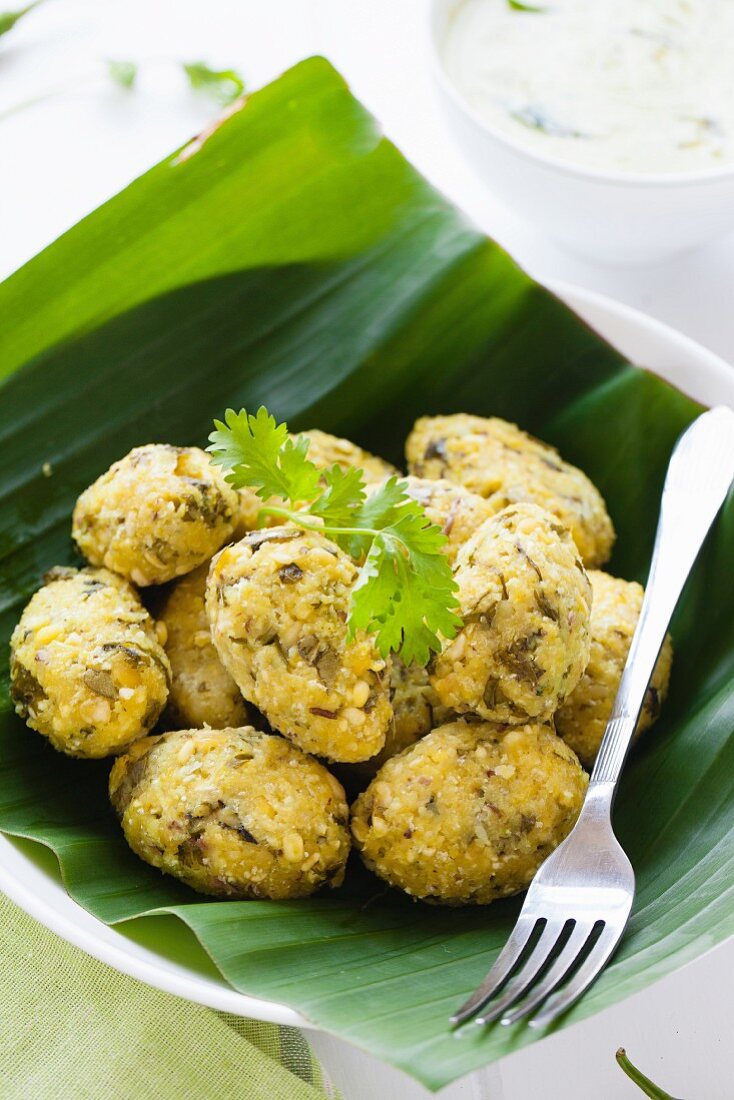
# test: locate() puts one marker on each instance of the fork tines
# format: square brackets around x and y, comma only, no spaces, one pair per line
[536,959]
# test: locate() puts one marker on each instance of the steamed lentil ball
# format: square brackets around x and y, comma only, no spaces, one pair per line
[234,812]
[468,814]
[505,465]
[416,711]
[582,719]
[277,604]
[416,708]
[202,691]
[156,514]
[87,669]
[456,510]
[324,451]
[329,450]
[525,600]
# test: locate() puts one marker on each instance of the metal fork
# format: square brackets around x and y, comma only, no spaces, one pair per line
[579,902]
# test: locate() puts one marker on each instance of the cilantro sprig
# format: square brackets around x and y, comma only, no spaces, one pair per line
[225,85]
[405,593]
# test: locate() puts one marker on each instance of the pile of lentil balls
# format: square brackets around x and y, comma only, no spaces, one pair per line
[470,771]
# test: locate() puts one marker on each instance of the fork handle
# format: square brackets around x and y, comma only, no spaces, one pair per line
[700,473]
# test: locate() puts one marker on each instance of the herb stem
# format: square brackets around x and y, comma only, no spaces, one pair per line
[634,1074]
[74,84]
[300,519]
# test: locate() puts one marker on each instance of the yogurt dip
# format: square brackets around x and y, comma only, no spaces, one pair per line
[632,85]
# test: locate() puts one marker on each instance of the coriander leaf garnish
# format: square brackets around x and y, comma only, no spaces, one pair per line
[260,453]
[517,5]
[344,493]
[405,593]
[225,85]
[123,73]
[8,19]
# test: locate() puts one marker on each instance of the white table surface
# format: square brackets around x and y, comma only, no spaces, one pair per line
[61,158]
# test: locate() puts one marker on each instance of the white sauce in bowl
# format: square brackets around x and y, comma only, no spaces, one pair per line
[631,85]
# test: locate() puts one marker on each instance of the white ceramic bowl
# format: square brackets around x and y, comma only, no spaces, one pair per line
[39,890]
[614,217]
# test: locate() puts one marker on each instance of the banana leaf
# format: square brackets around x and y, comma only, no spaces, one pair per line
[292,256]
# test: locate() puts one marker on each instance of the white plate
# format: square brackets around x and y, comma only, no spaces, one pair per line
[674,357]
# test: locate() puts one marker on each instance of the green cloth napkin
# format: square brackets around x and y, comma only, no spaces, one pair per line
[71,1028]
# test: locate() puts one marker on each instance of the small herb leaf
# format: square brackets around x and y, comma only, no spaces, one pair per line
[225,85]
[406,592]
[123,73]
[343,495]
[260,453]
[517,5]
[8,19]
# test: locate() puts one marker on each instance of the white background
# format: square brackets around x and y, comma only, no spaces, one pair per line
[64,156]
